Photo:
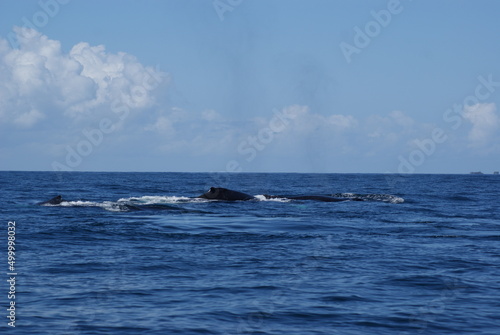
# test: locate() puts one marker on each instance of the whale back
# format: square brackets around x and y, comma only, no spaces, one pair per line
[317,198]
[54,201]
[220,193]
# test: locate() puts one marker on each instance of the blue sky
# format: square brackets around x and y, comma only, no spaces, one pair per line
[250,85]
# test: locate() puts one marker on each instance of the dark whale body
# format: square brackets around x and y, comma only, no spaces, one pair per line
[219,193]
[318,198]
[54,201]
[323,198]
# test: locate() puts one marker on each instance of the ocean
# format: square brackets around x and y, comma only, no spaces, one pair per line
[133,253]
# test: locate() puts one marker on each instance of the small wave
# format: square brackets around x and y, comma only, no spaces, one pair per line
[345,298]
[460,198]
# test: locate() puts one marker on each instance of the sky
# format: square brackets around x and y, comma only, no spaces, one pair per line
[323,86]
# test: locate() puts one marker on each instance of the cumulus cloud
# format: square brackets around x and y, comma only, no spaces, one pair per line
[307,121]
[342,133]
[42,85]
[369,134]
[391,127]
[40,81]
[211,115]
[162,125]
[485,123]
[342,121]
[28,119]
[181,131]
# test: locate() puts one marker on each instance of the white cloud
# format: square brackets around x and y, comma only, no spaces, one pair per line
[39,79]
[343,121]
[43,85]
[162,125]
[195,133]
[344,134]
[401,119]
[211,115]
[485,123]
[307,122]
[26,120]
[386,135]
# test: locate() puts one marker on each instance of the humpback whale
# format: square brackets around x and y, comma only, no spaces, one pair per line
[219,193]
[54,201]
[323,198]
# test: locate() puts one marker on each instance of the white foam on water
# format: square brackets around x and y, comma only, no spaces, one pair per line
[396,200]
[112,206]
[262,197]
[154,199]
[79,203]
[107,205]
[121,204]
[385,198]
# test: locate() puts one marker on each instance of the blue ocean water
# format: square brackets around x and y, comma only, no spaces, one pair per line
[419,256]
